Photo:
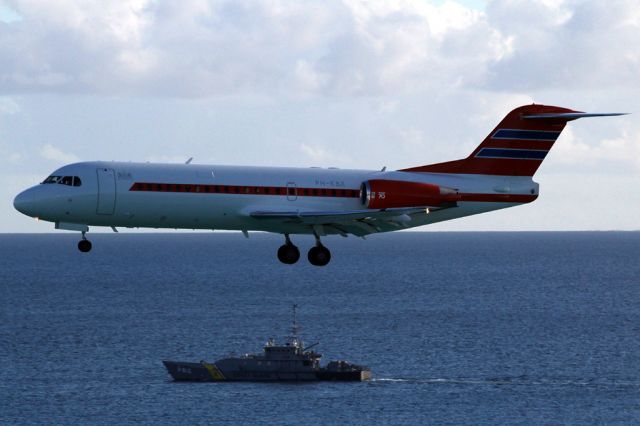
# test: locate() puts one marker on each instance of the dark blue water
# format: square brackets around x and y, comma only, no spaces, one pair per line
[457,327]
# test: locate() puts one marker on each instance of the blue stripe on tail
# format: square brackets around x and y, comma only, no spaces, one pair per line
[534,135]
[513,154]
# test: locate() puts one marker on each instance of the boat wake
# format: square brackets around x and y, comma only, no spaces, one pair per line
[516,380]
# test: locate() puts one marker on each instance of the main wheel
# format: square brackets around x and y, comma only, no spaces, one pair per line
[84,245]
[319,255]
[288,254]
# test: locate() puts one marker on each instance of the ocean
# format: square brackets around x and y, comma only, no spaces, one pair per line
[458,328]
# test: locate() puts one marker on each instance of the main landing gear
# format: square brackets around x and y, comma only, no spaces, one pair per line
[84,245]
[289,254]
[319,255]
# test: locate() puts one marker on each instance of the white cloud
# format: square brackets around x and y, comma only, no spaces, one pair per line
[8,15]
[8,106]
[617,151]
[321,156]
[15,158]
[308,79]
[50,152]
[315,153]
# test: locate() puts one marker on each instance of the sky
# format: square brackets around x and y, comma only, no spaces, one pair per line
[350,84]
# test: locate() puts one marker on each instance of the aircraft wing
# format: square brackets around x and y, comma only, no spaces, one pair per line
[356,222]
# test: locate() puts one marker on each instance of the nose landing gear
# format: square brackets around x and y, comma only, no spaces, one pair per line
[288,253]
[84,245]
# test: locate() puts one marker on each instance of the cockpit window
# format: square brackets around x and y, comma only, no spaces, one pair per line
[64,180]
[52,179]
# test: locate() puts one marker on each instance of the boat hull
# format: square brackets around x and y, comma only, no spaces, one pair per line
[206,372]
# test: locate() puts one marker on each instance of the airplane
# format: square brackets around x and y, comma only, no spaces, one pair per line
[496,175]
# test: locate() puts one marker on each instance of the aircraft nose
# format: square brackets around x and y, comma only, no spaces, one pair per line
[25,203]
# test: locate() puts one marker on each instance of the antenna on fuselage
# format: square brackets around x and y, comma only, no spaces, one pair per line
[189,160]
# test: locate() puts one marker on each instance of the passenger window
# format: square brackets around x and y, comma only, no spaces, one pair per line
[77,181]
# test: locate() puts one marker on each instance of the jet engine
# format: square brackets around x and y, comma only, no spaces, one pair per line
[384,194]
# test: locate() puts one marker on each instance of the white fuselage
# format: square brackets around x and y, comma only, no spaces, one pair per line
[189,196]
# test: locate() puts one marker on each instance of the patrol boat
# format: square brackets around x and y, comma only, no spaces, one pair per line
[291,361]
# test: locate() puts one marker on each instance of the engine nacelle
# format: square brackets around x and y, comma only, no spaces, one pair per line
[384,194]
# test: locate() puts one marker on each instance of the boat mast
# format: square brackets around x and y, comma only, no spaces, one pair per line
[295,328]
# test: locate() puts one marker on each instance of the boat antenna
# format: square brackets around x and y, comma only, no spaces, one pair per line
[295,328]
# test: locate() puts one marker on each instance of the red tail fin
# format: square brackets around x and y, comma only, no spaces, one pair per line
[516,147]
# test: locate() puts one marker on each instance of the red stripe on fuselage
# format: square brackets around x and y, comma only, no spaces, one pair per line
[245,190]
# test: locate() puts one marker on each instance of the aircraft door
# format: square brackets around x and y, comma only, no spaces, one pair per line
[106,191]
[292,191]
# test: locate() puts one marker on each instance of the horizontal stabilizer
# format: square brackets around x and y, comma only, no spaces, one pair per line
[571,115]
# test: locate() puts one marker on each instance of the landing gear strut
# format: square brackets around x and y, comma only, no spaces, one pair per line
[84,245]
[319,255]
[288,253]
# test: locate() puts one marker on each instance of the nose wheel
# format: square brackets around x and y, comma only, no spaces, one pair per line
[84,245]
[288,253]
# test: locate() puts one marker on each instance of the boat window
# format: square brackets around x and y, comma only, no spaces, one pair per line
[51,179]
